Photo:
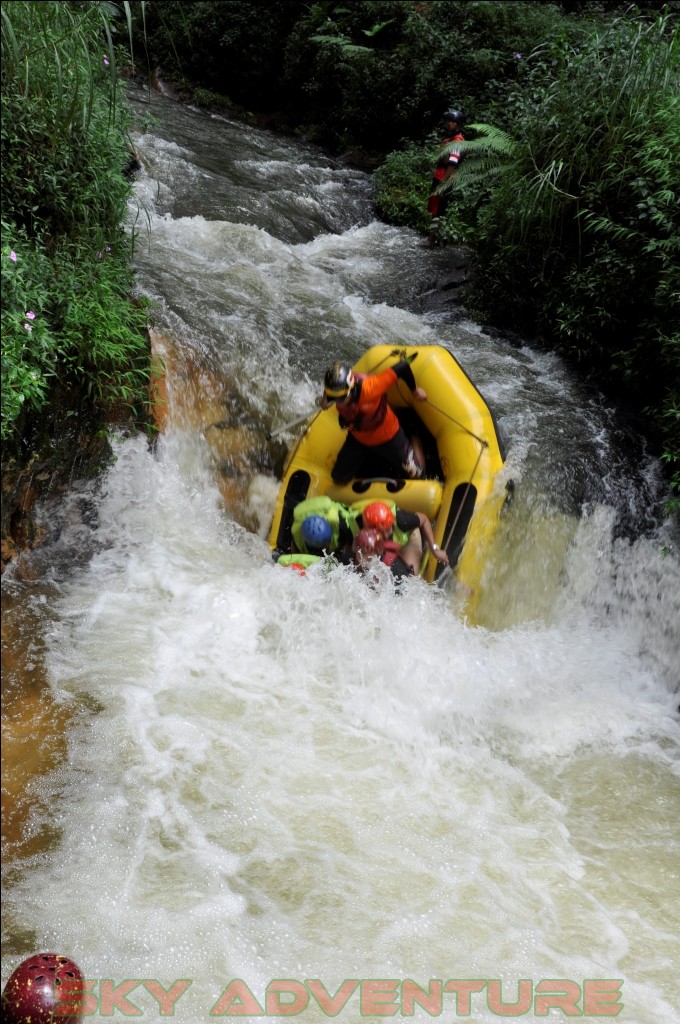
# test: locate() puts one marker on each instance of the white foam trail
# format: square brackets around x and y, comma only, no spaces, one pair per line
[278,776]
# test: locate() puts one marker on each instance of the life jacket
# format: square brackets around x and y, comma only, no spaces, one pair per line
[400,537]
[368,418]
[449,159]
[391,553]
[367,415]
[299,560]
[331,511]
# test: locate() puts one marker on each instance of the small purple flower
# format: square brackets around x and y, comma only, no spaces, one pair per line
[28,328]
[100,255]
[108,248]
[13,256]
[106,62]
[30,315]
[516,55]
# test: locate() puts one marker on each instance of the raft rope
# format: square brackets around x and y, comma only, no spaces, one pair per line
[402,352]
[484,444]
[390,355]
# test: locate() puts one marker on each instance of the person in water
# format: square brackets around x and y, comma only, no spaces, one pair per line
[323,524]
[370,543]
[374,432]
[367,544]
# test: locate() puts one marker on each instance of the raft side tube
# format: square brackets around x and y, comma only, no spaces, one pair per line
[296,491]
[410,495]
[460,513]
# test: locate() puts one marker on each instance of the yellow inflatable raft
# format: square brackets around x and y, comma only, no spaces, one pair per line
[462,454]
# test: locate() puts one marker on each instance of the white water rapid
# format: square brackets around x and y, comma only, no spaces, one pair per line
[271,777]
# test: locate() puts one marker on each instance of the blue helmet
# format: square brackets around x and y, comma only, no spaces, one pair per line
[316,533]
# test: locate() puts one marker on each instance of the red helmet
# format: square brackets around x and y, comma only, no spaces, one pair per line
[368,543]
[378,516]
[46,987]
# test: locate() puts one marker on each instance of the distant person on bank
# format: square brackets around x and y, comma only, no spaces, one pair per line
[445,170]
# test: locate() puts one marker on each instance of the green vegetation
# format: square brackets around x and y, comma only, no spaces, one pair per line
[69,325]
[404,179]
[229,48]
[567,196]
[363,74]
[402,186]
[569,193]
[579,241]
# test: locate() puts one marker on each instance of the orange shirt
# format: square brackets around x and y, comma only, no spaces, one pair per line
[451,159]
[369,418]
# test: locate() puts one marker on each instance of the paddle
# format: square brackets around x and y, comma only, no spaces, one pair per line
[443,577]
[289,426]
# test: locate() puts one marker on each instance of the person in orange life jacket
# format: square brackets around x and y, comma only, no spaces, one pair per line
[374,430]
[445,169]
[404,558]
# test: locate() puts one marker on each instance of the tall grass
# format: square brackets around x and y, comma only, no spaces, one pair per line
[67,319]
[581,240]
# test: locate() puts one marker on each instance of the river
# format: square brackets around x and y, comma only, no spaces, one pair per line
[219,770]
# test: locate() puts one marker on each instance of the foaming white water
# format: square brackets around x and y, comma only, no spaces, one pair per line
[276,776]
[273,776]
[243,175]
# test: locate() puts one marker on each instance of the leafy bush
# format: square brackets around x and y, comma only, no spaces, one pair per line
[231,47]
[351,75]
[27,341]
[402,186]
[67,316]
[581,239]
[68,319]
[465,53]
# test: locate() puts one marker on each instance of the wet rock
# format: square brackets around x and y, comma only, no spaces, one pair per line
[447,290]
[133,165]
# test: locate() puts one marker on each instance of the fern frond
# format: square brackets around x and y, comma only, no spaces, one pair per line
[496,137]
[484,156]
